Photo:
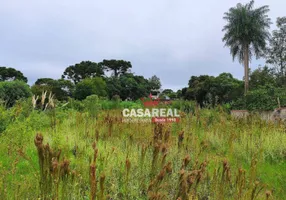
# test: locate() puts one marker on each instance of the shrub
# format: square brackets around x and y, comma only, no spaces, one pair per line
[5,117]
[261,99]
[92,105]
[185,106]
[75,104]
[61,89]
[89,87]
[11,91]
[264,98]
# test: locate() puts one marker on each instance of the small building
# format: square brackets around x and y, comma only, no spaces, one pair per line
[155,94]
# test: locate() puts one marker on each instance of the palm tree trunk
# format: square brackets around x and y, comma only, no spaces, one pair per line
[246,69]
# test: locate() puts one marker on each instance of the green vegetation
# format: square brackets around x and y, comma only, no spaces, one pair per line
[65,138]
[83,70]
[88,87]
[62,153]
[276,53]
[262,99]
[118,67]
[62,89]
[246,33]
[12,91]
[11,74]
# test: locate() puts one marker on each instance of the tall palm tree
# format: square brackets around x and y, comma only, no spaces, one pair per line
[246,33]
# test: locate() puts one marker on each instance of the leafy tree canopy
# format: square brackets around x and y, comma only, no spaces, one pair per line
[11,91]
[276,54]
[44,81]
[62,89]
[262,77]
[246,27]
[168,93]
[213,90]
[11,74]
[90,86]
[154,82]
[179,94]
[261,99]
[118,67]
[83,70]
[199,87]
[128,86]
[225,88]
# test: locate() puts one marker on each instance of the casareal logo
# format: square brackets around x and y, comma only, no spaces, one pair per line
[153,112]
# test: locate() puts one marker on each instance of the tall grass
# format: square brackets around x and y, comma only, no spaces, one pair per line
[83,155]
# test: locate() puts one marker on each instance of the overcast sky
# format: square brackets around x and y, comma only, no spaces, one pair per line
[173,39]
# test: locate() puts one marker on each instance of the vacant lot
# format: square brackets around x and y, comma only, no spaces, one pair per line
[66,154]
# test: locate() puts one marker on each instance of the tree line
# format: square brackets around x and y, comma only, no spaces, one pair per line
[109,78]
[247,35]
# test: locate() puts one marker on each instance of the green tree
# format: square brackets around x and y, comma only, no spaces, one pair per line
[90,86]
[114,88]
[118,67]
[199,88]
[62,89]
[128,86]
[179,94]
[154,82]
[209,90]
[11,74]
[168,93]
[246,33]
[12,91]
[224,88]
[133,87]
[262,77]
[186,94]
[276,54]
[83,70]
[261,99]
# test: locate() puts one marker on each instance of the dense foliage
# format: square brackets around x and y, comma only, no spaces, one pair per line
[83,70]
[117,67]
[62,89]
[276,54]
[89,87]
[209,90]
[12,91]
[262,99]
[11,74]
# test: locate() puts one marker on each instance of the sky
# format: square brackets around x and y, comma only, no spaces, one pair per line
[173,39]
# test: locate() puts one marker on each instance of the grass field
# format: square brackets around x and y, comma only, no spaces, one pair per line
[67,154]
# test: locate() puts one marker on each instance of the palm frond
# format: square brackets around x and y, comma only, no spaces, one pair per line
[246,27]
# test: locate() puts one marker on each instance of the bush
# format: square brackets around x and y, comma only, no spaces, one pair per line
[75,104]
[5,118]
[12,91]
[61,89]
[262,99]
[185,106]
[89,87]
[92,106]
